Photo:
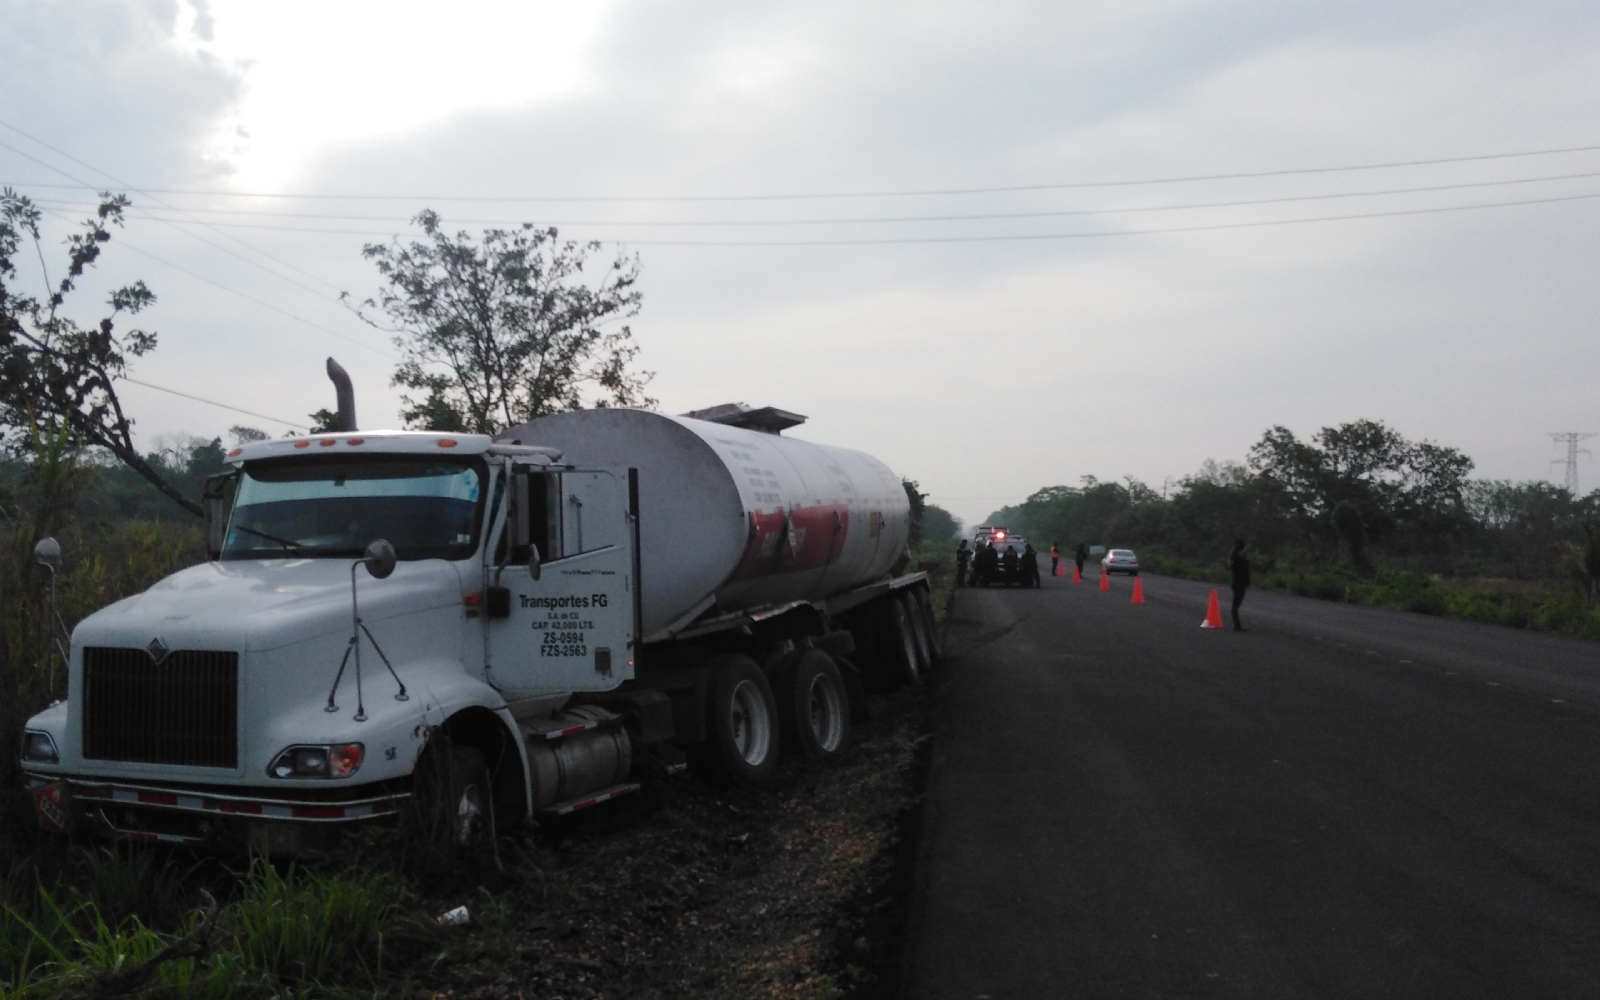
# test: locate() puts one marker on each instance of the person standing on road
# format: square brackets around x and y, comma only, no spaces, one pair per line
[1030,566]
[1079,556]
[963,558]
[988,561]
[1055,557]
[1239,567]
[1010,566]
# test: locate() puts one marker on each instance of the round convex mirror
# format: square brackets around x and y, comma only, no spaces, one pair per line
[48,553]
[379,558]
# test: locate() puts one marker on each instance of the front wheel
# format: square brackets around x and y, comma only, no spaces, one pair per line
[453,799]
[741,722]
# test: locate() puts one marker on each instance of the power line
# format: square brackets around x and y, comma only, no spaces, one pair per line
[125,184]
[1104,233]
[914,193]
[234,291]
[251,298]
[212,402]
[863,220]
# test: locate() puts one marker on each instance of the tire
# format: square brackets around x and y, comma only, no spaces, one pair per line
[813,705]
[741,722]
[454,799]
[900,654]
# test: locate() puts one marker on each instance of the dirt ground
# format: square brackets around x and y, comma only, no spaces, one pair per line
[798,890]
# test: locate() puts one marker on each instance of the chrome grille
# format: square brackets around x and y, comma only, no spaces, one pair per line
[183,710]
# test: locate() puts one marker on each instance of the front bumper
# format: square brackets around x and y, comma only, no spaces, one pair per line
[198,816]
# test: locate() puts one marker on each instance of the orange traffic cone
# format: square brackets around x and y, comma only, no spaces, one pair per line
[1061,569]
[1105,580]
[1213,613]
[1077,574]
[1138,591]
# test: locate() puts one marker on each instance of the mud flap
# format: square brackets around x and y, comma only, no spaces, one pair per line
[860,708]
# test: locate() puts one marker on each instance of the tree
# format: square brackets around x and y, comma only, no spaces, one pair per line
[919,502]
[938,524]
[56,375]
[499,331]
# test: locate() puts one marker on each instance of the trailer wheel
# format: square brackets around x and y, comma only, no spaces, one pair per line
[454,799]
[741,722]
[813,705]
[902,656]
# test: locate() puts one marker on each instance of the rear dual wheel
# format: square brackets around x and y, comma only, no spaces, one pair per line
[741,722]
[813,705]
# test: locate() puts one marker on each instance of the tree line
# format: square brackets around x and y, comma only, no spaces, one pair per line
[1359,497]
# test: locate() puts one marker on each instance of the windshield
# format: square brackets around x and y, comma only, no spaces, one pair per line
[426,508]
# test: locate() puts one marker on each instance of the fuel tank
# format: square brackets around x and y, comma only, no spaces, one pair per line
[732,518]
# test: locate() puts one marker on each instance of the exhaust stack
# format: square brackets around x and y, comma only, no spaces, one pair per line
[346,420]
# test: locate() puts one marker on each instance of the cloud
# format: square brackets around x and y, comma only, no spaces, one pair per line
[106,80]
[205,26]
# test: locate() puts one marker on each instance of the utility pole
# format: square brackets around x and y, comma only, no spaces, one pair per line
[1570,439]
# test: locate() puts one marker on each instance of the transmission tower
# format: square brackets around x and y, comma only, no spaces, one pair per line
[1570,439]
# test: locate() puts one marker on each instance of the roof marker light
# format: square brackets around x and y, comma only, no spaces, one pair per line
[355,440]
[302,444]
[234,452]
[447,443]
[327,442]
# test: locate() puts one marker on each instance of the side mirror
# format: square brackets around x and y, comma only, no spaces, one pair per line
[48,553]
[534,563]
[518,511]
[379,558]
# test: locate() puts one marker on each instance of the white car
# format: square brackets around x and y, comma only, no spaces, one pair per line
[1121,561]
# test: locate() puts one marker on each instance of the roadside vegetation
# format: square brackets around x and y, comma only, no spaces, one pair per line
[1360,514]
[934,533]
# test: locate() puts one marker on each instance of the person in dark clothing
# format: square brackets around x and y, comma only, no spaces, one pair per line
[1030,566]
[1239,566]
[1079,556]
[1009,564]
[988,562]
[963,558]
[1055,557]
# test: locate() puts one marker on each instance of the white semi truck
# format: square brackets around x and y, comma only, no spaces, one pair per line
[484,631]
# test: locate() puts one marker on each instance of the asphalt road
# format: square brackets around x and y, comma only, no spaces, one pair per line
[1340,802]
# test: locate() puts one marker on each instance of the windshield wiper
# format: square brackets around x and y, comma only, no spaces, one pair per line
[270,538]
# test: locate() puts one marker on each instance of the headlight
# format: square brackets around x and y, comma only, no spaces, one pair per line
[337,760]
[39,748]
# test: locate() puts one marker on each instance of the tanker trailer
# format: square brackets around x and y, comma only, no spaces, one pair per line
[754,544]
[479,631]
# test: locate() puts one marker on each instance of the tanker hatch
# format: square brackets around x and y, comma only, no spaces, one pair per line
[767,419]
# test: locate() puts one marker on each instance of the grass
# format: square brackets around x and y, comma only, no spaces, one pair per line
[286,932]
[1515,603]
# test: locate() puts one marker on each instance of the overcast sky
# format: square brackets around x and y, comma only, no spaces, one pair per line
[1130,333]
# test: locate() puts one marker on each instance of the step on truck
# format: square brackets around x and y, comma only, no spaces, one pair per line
[485,631]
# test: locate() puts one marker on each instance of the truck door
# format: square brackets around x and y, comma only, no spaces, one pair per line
[572,627]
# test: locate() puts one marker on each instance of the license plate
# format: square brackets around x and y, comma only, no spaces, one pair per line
[50,803]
